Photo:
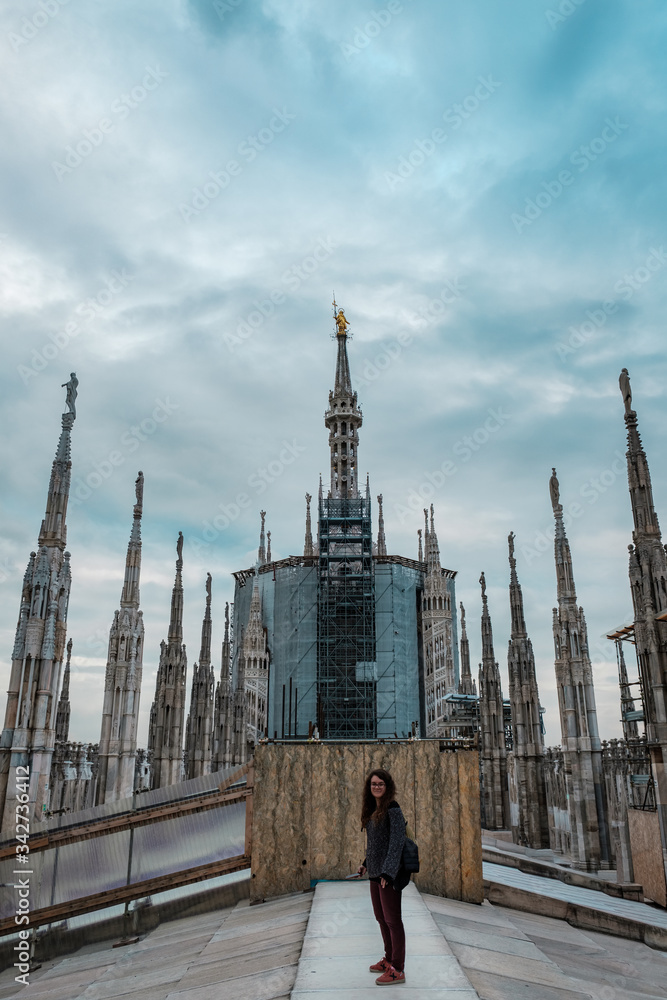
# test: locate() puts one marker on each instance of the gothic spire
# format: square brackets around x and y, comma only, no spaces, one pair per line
[268,546]
[495,800]
[516,596]
[630,727]
[466,684]
[343,382]
[564,576]
[648,582]
[255,616]
[420,551]
[432,547]
[54,530]
[62,715]
[639,477]
[382,544]
[488,655]
[225,662]
[343,420]
[261,551]
[308,540]
[130,595]
[205,650]
[176,620]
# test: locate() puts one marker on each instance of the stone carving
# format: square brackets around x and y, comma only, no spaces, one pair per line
[554,490]
[626,391]
[72,393]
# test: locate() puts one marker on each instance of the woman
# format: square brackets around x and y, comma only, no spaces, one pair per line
[384,823]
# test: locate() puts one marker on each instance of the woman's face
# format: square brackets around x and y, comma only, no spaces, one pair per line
[377,787]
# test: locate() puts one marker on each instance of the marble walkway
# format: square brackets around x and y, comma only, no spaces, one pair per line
[572,894]
[309,945]
[342,940]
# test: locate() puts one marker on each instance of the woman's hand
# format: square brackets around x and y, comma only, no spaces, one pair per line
[384,883]
[361,870]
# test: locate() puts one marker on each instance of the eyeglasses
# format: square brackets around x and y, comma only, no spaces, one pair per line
[377,784]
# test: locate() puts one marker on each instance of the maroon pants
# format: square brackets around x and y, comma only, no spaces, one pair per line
[387,910]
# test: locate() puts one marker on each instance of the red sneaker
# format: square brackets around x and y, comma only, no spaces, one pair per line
[392,977]
[380,966]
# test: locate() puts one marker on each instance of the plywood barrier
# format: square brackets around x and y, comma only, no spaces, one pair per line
[647,859]
[307,804]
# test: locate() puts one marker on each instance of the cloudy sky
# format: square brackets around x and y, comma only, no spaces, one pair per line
[185,182]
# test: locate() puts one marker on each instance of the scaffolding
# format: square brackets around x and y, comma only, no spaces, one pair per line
[346,657]
[463,717]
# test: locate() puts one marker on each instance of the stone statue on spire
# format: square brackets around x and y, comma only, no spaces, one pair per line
[554,491]
[341,321]
[179,551]
[626,391]
[71,387]
[139,489]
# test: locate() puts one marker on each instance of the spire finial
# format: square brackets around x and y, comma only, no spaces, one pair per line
[268,546]
[554,490]
[130,595]
[510,543]
[176,619]
[626,391]
[70,401]
[308,540]
[382,543]
[482,583]
[53,531]
[205,648]
[420,556]
[261,551]
[516,595]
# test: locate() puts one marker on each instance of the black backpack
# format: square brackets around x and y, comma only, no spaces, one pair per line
[410,856]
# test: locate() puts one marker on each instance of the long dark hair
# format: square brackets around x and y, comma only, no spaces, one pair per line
[370,807]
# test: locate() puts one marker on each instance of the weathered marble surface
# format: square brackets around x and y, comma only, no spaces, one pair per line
[308,799]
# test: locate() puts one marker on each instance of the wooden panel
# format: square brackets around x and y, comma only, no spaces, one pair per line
[472,883]
[336,841]
[647,859]
[308,803]
[281,821]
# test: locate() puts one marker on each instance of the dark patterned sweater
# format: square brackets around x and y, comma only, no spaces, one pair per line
[384,844]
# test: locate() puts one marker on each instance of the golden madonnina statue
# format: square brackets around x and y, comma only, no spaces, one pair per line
[341,323]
